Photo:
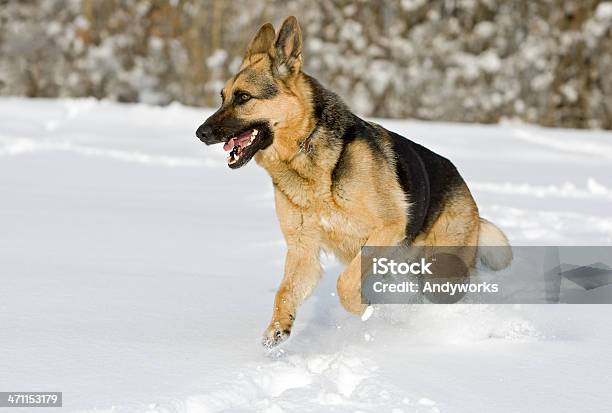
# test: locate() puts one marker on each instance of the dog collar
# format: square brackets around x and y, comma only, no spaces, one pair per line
[306,144]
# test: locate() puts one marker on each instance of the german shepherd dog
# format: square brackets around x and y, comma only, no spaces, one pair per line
[340,182]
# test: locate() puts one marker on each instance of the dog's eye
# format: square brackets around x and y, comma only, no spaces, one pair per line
[243,97]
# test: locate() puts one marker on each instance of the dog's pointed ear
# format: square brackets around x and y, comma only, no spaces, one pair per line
[287,52]
[262,41]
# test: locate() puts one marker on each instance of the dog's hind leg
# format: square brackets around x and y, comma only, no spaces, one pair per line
[457,225]
[349,282]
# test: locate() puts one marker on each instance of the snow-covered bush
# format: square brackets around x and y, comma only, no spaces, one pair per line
[547,62]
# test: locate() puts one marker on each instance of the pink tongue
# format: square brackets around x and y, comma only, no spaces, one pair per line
[239,140]
[229,145]
[243,137]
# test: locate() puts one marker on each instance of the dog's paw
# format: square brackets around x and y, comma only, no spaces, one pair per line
[274,335]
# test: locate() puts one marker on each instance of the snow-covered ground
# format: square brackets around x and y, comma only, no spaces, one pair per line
[137,273]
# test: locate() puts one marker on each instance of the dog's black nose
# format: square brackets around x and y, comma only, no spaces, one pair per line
[204,133]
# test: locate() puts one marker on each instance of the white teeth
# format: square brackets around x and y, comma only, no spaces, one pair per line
[234,156]
[231,160]
[253,135]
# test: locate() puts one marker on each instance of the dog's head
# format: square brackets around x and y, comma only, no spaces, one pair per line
[265,105]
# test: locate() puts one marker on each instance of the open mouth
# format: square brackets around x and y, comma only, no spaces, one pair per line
[239,148]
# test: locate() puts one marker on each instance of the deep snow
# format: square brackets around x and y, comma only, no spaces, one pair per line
[138,272]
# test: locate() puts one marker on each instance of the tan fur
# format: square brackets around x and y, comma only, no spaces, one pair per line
[457,226]
[317,214]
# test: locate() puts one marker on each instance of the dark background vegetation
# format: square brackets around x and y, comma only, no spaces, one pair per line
[546,62]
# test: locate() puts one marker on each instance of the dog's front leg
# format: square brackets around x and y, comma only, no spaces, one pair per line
[349,282]
[302,272]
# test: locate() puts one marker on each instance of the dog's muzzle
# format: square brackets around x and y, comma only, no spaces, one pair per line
[206,135]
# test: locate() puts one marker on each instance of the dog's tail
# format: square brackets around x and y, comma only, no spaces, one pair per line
[494,249]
